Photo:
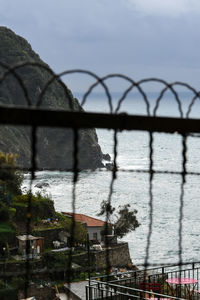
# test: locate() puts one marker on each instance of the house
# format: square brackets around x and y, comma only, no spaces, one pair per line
[94,226]
[36,244]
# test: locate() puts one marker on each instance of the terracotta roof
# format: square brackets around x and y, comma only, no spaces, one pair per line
[90,221]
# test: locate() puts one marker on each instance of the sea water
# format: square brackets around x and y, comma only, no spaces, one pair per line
[133,187]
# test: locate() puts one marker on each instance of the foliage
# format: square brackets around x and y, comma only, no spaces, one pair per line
[35,199]
[12,212]
[80,277]
[4,212]
[8,293]
[61,217]
[6,227]
[2,284]
[42,206]
[10,185]
[17,283]
[84,276]
[7,231]
[56,260]
[80,233]
[124,221]
[10,178]
[106,207]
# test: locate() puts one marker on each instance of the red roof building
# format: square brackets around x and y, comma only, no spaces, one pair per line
[89,221]
[94,226]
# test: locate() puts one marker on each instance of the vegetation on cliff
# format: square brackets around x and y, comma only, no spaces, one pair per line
[10,182]
[14,204]
[54,146]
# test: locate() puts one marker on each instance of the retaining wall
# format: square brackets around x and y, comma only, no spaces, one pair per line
[119,256]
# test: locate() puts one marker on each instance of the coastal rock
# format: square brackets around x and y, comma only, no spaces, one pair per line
[109,166]
[41,185]
[54,147]
[107,157]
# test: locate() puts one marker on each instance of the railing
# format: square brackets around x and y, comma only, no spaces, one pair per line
[131,281]
[116,291]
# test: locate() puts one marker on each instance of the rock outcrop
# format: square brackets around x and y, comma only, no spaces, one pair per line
[54,146]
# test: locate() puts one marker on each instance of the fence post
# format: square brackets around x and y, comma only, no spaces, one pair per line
[163,279]
[86,291]
[88,252]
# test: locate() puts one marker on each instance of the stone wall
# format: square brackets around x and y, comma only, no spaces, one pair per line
[19,268]
[119,256]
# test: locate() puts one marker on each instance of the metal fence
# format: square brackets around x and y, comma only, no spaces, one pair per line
[130,282]
[36,117]
[121,292]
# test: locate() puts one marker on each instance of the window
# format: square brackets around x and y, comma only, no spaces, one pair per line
[94,235]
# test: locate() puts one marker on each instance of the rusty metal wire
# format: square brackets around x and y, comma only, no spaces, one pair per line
[184,172]
[109,201]
[100,81]
[72,229]
[77,71]
[151,174]
[12,70]
[17,77]
[29,208]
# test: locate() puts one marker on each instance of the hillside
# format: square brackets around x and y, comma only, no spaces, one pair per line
[54,146]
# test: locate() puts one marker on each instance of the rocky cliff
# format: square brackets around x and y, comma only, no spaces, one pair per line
[54,146]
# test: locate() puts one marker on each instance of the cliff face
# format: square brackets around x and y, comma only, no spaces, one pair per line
[54,146]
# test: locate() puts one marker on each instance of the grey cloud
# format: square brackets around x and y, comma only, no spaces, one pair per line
[108,36]
[169,8]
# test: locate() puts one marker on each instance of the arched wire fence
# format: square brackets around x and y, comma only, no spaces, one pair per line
[35,116]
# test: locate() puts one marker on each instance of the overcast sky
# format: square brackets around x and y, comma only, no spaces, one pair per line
[139,38]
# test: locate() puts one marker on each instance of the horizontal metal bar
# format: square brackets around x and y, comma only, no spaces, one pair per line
[58,118]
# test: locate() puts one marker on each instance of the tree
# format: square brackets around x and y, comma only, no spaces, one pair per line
[123,221]
[126,222]
[10,185]
[80,232]
[4,212]
[10,178]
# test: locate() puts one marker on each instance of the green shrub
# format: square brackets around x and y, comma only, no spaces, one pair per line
[17,283]
[61,217]
[7,231]
[80,233]
[12,212]
[56,259]
[8,293]
[4,212]
[2,284]
[10,178]
[42,206]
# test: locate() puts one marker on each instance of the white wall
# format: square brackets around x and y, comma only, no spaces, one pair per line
[92,230]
